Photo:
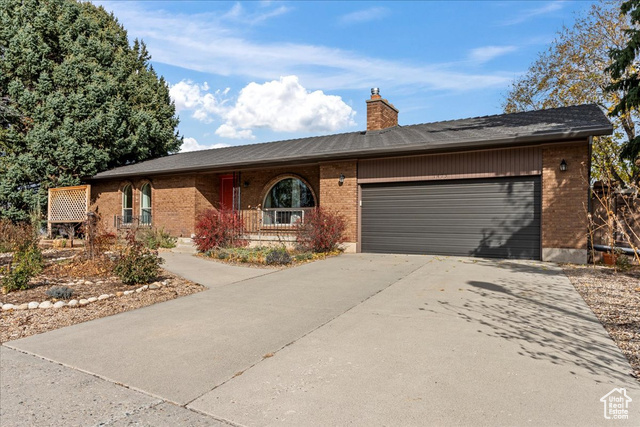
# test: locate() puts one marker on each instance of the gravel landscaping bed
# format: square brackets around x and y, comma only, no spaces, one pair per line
[615,300]
[15,324]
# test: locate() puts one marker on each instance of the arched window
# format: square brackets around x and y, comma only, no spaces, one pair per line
[127,204]
[286,201]
[145,204]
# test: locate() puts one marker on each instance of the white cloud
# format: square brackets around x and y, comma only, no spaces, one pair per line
[487,53]
[191,96]
[364,15]
[228,131]
[532,13]
[213,43]
[284,105]
[191,144]
[239,14]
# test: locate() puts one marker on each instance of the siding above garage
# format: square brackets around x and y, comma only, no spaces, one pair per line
[478,164]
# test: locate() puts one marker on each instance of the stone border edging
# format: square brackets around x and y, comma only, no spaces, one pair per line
[84,301]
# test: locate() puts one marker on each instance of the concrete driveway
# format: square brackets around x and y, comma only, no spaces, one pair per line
[357,339]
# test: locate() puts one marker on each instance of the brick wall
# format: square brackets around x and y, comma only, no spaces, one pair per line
[173,202]
[106,200]
[380,114]
[341,198]
[176,201]
[207,194]
[564,196]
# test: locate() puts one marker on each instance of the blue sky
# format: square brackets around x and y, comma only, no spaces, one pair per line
[247,72]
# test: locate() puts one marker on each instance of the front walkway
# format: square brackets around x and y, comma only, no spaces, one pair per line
[357,339]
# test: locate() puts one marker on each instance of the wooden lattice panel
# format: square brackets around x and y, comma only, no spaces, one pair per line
[69,204]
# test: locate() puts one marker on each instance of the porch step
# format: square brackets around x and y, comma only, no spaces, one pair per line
[185,245]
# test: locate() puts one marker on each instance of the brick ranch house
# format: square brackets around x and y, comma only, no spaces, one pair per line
[504,186]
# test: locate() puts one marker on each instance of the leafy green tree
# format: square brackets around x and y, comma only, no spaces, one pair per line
[75,99]
[573,71]
[624,73]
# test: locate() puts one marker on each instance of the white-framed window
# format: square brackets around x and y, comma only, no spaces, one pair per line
[127,204]
[145,204]
[286,201]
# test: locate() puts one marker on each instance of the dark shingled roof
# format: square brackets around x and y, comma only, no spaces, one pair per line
[552,125]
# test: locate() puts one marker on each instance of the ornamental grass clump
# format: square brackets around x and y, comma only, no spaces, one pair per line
[155,238]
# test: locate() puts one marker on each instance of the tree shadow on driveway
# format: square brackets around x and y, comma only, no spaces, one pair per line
[547,319]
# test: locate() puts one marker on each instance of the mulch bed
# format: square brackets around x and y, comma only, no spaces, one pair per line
[87,279]
[614,297]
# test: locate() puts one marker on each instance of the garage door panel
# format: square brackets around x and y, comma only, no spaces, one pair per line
[490,217]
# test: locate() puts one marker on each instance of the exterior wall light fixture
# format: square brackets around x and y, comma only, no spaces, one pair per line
[341,179]
[563,166]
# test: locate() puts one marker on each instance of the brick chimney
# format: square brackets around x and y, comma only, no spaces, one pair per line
[380,113]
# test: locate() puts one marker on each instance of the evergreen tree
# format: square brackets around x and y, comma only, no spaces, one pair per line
[75,99]
[624,73]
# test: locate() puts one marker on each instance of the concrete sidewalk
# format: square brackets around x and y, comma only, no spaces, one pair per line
[37,392]
[207,272]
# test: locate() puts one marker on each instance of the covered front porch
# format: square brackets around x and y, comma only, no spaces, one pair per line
[269,205]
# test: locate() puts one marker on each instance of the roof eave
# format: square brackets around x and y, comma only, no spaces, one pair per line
[375,152]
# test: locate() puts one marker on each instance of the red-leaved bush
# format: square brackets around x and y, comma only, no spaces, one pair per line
[219,229]
[321,231]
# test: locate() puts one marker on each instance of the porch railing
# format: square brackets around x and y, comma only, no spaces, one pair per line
[272,221]
[130,221]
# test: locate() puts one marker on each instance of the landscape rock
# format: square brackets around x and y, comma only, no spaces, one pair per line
[23,306]
[139,290]
[165,282]
[119,293]
[45,304]
[59,304]
[93,299]
[154,286]
[83,301]
[6,307]
[73,303]
[145,287]
[33,305]
[103,296]
[88,282]
[128,292]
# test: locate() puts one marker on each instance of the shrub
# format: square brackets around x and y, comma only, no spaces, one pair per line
[60,292]
[137,263]
[27,263]
[321,231]
[219,229]
[155,238]
[278,256]
[16,235]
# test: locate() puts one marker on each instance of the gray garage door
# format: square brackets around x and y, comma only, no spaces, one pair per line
[497,217]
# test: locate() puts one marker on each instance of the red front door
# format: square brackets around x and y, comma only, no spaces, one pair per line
[226,191]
